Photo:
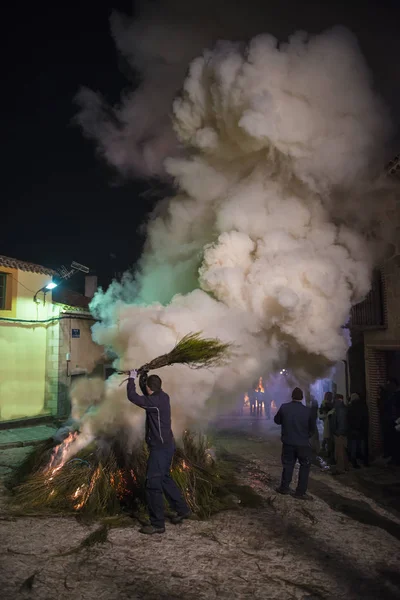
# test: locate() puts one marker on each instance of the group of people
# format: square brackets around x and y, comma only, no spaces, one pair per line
[389,411]
[345,439]
[345,436]
[258,401]
[345,433]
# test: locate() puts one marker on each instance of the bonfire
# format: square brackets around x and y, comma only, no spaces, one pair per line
[105,480]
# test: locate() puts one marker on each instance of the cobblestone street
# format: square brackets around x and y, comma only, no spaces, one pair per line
[344,544]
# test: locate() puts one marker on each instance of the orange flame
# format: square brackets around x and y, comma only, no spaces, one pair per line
[87,489]
[58,456]
[260,387]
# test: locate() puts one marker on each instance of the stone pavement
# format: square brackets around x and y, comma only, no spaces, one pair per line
[25,436]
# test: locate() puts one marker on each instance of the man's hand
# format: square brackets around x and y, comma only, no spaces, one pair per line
[133,374]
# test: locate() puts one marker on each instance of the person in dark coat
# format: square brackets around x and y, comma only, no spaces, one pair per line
[387,415]
[161,444]
[339,428]
[312,403]
[253,401]
[298,424]
[394,407]
[267,404]
[325,413]
[358,422]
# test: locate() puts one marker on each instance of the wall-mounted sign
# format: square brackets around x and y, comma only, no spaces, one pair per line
[76,333]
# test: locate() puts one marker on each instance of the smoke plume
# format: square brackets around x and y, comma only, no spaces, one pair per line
[270,240]
[156,47]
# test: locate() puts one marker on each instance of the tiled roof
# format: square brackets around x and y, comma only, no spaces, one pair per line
[14,263]
[70,298]
[67,309]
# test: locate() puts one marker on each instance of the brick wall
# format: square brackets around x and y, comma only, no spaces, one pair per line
[376,374]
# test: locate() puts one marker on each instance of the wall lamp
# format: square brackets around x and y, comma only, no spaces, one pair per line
[63,274]
[49,286]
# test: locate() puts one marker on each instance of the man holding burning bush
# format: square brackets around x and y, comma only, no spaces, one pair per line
[161,444]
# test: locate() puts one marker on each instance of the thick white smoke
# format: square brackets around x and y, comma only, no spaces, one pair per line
[264,244]
[136,135]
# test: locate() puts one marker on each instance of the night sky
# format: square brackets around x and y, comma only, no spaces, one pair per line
[63,203]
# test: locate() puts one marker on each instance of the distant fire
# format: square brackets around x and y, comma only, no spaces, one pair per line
[260,387]
[259,400]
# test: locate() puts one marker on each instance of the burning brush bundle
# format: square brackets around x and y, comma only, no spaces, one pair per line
[104,481]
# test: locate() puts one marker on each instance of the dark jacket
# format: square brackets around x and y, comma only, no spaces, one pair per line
[339,422]
[395,405]
[158,415]
[298,423]
[357,419]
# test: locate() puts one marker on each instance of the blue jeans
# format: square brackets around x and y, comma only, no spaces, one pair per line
[159,482]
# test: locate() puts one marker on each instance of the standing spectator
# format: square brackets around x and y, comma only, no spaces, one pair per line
[259,401]
[358,422]
[252,400]
[395,416]
[325,412]
[312,404]
[397,438]
[267,403]
[339,428]
[387,415]
[297,425]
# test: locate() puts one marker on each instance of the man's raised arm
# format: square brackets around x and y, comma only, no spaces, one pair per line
[142,401]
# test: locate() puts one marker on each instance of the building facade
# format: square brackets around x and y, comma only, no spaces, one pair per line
[43,344]
[375,329]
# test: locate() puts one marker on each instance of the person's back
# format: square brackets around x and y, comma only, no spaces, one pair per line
[297,423]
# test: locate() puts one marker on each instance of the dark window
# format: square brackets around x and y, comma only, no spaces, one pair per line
[3,284]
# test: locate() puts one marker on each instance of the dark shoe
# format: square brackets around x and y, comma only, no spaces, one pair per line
[283,491]
[149,529]
[302,496]
[356,466]
[180,518]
